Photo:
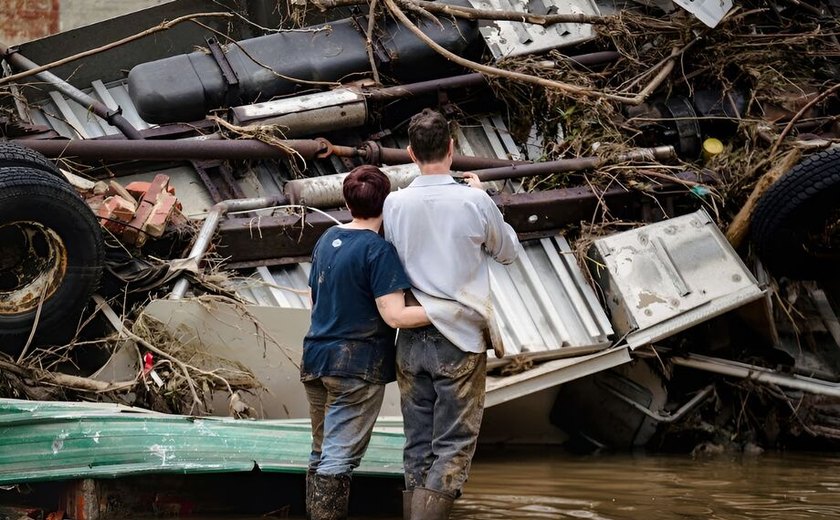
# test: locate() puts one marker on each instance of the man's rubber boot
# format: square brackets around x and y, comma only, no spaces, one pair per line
[428,504]
[330,497]
[407,494]
[310,487]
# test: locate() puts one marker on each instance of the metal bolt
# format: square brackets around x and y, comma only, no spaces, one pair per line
[533,219]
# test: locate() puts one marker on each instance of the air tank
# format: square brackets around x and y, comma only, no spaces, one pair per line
[186,87]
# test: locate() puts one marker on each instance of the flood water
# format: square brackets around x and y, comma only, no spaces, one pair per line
[549,483]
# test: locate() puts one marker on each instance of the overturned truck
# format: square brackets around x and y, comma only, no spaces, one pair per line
[672,179]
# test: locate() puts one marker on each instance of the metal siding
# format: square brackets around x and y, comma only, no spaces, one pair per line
[542,302]
[282,286]
[64,115]
[48,441]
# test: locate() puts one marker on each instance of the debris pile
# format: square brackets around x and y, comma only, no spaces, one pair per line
[594,119]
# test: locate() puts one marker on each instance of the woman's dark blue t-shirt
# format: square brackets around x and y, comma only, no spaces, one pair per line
[347,336]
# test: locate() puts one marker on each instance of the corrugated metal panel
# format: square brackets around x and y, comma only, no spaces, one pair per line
[48,441]
[507,39]
[542,301]
[75,121]
[285,286]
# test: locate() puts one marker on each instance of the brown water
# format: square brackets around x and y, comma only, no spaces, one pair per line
[548,483]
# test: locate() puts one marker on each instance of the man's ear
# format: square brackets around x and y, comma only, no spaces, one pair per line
[411,153]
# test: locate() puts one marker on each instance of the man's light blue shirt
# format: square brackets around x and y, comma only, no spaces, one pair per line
[445,235]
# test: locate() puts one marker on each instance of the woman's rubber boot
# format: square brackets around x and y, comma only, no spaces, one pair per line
[407,494]
[330,497]
[428,504]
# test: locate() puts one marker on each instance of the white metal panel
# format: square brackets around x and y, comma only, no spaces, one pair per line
[665,277]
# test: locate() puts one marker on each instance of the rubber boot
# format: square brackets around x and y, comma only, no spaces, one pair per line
[330,497]
[310,487]
[428,504]
[407,494]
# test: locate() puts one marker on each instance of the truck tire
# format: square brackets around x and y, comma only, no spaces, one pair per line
[51,255]
[796,224]
[13,154]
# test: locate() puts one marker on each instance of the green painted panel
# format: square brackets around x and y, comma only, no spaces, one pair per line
[49,441]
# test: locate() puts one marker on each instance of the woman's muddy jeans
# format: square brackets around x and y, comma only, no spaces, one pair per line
[442,397]
[343,411]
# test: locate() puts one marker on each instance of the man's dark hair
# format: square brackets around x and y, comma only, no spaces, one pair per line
[428,135]
[365,189]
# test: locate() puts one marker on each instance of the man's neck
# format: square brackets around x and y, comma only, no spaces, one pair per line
[373,224]
[437,168]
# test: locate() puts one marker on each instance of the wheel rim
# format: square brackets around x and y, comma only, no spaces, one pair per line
[33,262]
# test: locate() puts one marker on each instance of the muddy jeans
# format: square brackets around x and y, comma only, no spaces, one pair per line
[442,398]
[343,411]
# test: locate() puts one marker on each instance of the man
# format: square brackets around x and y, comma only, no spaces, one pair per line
[445,234]
[358,299]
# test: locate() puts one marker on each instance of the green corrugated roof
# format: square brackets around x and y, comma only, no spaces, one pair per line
[51,440]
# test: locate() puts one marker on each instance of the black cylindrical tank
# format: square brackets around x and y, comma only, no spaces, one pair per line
[186,87]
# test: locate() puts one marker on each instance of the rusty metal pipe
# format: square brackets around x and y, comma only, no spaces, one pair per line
[567,165]
[425,87]
[585,60]
[113,117]
[459,162]
[160,150]
[208,229]
[204,149]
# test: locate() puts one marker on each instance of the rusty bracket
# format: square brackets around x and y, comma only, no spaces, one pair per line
[326,150]
[229,75]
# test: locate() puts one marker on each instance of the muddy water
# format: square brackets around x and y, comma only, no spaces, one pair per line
[550,484]
[545,483]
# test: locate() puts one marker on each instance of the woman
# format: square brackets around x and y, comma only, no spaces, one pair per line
[358,298]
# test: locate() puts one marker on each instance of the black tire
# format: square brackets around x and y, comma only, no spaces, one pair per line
[13,154]
[796,224]
[51,249]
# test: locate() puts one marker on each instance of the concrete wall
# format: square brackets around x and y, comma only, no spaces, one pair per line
[25,20]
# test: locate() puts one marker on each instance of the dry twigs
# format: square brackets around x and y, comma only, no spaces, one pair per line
[46,377]
[269,134]
[665,67]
